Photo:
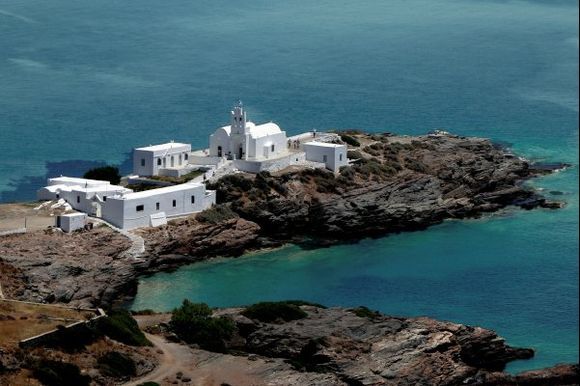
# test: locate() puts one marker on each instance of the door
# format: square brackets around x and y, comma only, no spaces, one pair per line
[96,209]
[240,153]
[219,151]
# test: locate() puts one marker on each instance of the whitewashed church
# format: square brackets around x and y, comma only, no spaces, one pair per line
[244,140]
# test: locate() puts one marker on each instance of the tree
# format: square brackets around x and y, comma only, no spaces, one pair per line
[105,173]
[193,322]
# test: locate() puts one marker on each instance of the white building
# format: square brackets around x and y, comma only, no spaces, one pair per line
[331,154]
[124,208]
[82,194]
[165,159]
[151,207]
[244,140]
[71,222]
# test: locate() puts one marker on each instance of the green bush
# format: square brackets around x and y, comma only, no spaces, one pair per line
[105,173]
[117,365]
[120,326]
[230,187]
[352,141]
[193,323]
[365,312]
[269,312]
[57,373]
[216,214]
[354,154]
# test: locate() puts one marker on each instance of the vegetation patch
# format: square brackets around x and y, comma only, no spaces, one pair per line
[57,373]
[364,312]
[350,140]
[216,214]
[270,312]
[117,365]
[105,173]
[193,323]
[179,180]
[120,326]
[141,187]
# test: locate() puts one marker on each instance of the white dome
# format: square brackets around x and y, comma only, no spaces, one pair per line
[263,130]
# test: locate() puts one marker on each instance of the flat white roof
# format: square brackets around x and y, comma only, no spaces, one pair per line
[324,144]
[164,146]
[105,188]
[76,214]
[75,181]
[54,188]
[158,191]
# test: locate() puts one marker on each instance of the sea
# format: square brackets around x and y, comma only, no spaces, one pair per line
[83,82]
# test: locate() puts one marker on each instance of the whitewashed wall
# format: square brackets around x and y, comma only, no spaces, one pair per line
[123,212]
[159,159]
[335,155]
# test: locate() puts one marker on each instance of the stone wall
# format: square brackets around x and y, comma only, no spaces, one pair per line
[54,335]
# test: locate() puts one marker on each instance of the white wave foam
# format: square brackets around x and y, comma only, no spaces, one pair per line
[17,16]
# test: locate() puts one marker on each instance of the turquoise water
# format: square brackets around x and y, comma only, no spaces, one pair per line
[81,83]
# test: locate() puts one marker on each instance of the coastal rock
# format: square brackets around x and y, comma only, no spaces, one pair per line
[398,184]
[338,346]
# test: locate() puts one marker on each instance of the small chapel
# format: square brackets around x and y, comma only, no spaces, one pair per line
[244,140]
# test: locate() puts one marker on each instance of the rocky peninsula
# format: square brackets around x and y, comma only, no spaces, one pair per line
[395,184]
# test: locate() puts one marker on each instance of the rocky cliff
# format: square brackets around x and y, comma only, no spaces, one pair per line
[353,347]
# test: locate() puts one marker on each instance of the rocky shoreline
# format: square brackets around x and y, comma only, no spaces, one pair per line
[396,184]
[285,343]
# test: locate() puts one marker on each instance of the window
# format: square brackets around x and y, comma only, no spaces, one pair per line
[174,203]
[104,198]
[156,206]
[142,161]
[186,156]
[140,208]
[273,148]
[78,199]
[57,196]
[340,157]
[193,199]
[158,161]
[324,158]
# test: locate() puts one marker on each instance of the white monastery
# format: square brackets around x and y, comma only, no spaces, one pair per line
[240,146]
[124,208]
[244,140]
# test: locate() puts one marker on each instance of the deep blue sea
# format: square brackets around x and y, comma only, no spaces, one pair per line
[83,82]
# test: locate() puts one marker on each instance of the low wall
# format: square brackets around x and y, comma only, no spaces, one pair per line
[298,158]
[55,335]
[12,231]
[205,160]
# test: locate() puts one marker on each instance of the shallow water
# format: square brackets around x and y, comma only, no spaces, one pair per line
[82,83]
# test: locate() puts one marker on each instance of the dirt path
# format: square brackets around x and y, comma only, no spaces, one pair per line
[175,358]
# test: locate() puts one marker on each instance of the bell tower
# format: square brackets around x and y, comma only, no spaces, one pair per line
[238,116]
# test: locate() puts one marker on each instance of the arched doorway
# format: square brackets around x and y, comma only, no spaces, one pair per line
[219,151]
[240,153]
